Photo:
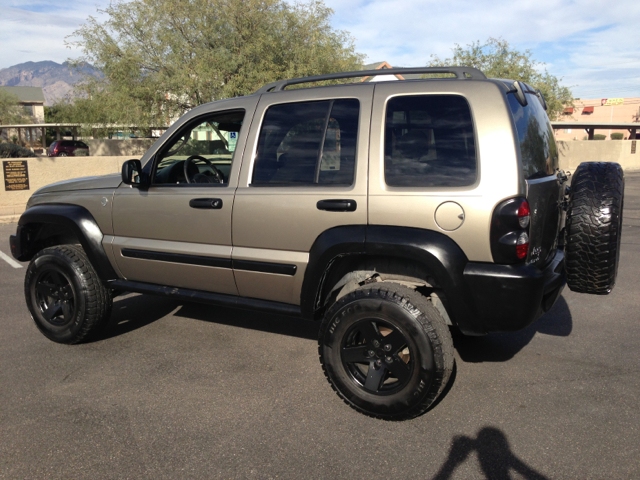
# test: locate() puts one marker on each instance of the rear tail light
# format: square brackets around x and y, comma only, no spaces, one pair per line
[510,231]
[523,214]
[522,246]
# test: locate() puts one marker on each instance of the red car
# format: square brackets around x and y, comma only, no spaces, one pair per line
[68,148]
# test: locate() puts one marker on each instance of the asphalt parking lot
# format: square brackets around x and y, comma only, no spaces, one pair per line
[175,390]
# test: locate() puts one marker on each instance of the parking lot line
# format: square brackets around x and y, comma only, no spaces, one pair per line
[9,260]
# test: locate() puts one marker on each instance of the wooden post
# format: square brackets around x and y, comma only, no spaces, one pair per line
[633,134]
[57,133]
[590,131]
[20,136]
[44,139]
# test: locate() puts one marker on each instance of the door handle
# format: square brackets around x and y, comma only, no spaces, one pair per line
[337,205]
[212,203]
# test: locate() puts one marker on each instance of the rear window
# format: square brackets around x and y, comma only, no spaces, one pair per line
[429,142]
[538,151]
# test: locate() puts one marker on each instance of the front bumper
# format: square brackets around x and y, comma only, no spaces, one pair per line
[17,243]
[508,298]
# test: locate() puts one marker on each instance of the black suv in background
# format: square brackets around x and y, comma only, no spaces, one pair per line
[68,148]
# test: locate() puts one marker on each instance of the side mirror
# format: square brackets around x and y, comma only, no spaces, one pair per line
[132,172]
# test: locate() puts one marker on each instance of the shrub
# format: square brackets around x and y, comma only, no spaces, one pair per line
[617,136]
[599,136]
[11,150]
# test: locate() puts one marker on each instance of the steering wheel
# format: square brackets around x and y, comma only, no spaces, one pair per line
[217,174]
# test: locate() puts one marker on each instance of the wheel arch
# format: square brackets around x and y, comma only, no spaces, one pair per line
[406,254]
[48,225]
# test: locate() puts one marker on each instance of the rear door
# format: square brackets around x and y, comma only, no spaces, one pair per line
[304,172]
[539,165]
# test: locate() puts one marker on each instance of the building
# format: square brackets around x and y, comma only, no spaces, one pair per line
[599,111]
[386,78]
[31,100]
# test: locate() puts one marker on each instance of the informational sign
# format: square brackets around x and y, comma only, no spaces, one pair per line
[611,101]
[633,146]
[16,175]
[233,139]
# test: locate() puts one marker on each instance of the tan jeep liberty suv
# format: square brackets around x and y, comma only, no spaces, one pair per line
[389,211]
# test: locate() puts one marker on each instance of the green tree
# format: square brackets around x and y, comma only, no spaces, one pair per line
[497,59]
[10,111]
[161,58]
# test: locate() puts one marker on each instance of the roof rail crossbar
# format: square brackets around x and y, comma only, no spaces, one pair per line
[459,72]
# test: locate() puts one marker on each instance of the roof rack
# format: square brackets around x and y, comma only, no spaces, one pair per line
[463,73]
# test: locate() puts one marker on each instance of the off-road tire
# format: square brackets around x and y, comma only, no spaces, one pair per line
[407,313]
[59,276]
[594,227]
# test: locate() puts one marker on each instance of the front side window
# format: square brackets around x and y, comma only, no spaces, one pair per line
[429,142]
[308,143]
[200,153]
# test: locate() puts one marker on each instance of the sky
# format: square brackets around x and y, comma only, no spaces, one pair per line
[594,45]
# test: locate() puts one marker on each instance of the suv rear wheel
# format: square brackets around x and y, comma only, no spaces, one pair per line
[386,351]
[66,299]
[594,227]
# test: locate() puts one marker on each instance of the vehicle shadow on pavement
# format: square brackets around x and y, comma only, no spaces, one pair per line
[134,311]
[265,322]
[494,454]
[500,347]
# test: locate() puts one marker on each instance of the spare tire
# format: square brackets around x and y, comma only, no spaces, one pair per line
[594,227]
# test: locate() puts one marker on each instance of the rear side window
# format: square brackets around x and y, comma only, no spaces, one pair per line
[429,142]
[538,149]
[308,143]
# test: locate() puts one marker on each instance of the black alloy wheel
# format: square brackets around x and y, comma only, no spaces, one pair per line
[54,296]
[377,356]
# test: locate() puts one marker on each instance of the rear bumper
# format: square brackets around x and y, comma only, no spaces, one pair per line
[508,298]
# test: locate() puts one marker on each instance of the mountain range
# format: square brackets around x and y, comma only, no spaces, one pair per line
[57,80]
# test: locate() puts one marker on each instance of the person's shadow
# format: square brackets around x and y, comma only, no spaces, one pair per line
[500,347]
[494,454]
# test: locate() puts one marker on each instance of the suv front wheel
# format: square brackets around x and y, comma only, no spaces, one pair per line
[66,299]
[386,350]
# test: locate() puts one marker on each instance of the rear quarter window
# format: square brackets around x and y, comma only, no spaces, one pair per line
[538,150]
[429,142]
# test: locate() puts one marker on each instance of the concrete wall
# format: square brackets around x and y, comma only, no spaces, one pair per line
[47,170]
[134,147]
[573,153]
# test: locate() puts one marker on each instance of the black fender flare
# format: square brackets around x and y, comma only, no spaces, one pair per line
[439,254]
[75,218]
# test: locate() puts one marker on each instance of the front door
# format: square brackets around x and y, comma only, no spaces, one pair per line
[178,231]
[305,171]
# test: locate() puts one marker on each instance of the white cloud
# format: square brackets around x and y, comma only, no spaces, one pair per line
[573,38]
[594,45]
[36,30]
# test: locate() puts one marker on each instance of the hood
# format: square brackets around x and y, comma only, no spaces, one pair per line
[87,183]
